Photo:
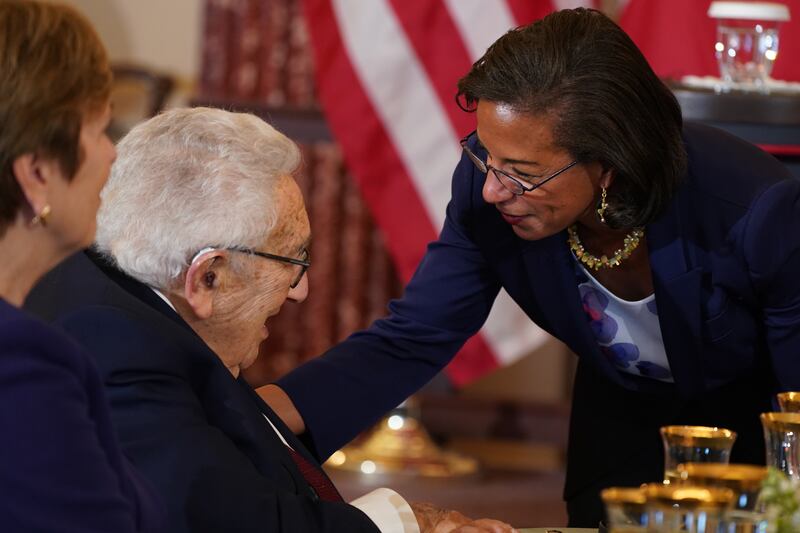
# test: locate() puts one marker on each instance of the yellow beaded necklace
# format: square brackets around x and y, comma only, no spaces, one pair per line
[629,244]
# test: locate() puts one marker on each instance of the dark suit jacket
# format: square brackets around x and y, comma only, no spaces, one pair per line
[61,468]
[725,259]
[197,433]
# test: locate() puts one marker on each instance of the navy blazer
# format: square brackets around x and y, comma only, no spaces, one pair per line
[197,433]
[725,259]
[61,468]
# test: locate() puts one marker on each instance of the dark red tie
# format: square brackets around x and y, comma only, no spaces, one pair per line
[316,478]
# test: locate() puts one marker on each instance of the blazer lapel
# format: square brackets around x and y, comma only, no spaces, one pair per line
[677,289]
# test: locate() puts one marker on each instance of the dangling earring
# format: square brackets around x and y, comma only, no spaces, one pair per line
[603,205]
[41,218]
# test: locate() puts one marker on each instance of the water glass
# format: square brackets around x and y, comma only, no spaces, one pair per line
[782,439]
[747,514]
[694,444]
[626,510]
[688,508]
[747,39]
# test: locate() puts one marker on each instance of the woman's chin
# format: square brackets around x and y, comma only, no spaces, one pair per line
[532,232]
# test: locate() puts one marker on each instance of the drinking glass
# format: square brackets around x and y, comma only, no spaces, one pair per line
[626,511]
[789,402]
[687,508]
[747,39]
[782,439]
[694,444]
[747,514]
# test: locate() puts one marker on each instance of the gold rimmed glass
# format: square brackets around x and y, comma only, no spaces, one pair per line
[687,508]
[694,444]
[789,402]
[626,509]
[747,514]
[782,439]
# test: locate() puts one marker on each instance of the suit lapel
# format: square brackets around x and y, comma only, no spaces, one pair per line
[678,291]
[290,438]
[242,421]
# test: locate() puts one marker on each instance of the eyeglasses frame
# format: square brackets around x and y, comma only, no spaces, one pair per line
[304,263]
[485,167]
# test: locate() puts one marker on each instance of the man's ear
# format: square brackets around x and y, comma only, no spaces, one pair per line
[203,281]
[33,174]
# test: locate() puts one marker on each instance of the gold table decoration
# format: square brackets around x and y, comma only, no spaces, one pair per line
[400,445]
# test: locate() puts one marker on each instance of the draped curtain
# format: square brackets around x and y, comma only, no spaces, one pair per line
[256,54]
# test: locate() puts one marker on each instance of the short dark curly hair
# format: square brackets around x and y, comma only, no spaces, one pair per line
[54,71]
[605,102]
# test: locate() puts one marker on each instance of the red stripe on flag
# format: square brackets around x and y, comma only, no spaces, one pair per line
[368,151]
[526,11]
[439,48]
[381,175]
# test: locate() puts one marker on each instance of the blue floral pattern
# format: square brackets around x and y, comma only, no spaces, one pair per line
[594,303]
[614,336]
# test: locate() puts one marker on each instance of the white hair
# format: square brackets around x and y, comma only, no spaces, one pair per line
[187,179]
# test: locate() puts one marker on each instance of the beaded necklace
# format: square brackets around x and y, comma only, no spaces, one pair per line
[629,244]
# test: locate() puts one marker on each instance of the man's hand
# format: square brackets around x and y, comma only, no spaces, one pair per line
[432,519]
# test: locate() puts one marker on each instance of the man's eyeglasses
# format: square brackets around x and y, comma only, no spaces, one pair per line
[514,184]
[304,262]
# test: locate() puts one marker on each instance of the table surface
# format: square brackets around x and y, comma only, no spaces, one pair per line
[555,529]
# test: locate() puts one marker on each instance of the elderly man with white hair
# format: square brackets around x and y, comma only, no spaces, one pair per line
[202,237]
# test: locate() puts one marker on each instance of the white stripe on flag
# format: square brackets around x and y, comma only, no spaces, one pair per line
[421,132]
[510,332]
[479,23]
[571,4]
[404,98]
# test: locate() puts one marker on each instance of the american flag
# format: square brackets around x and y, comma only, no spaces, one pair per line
[386,75]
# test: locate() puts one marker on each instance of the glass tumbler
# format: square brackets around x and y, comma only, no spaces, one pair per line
[782,439]
[747,514]
[687,508]
[694,444]
[626,511]
[747,39]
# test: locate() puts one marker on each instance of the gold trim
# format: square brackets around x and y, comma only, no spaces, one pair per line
[789,402]
[691,435]
[739,477]
[623,495]
[781,421]
[689,496]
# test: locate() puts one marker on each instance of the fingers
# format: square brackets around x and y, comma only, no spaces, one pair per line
[485,525]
